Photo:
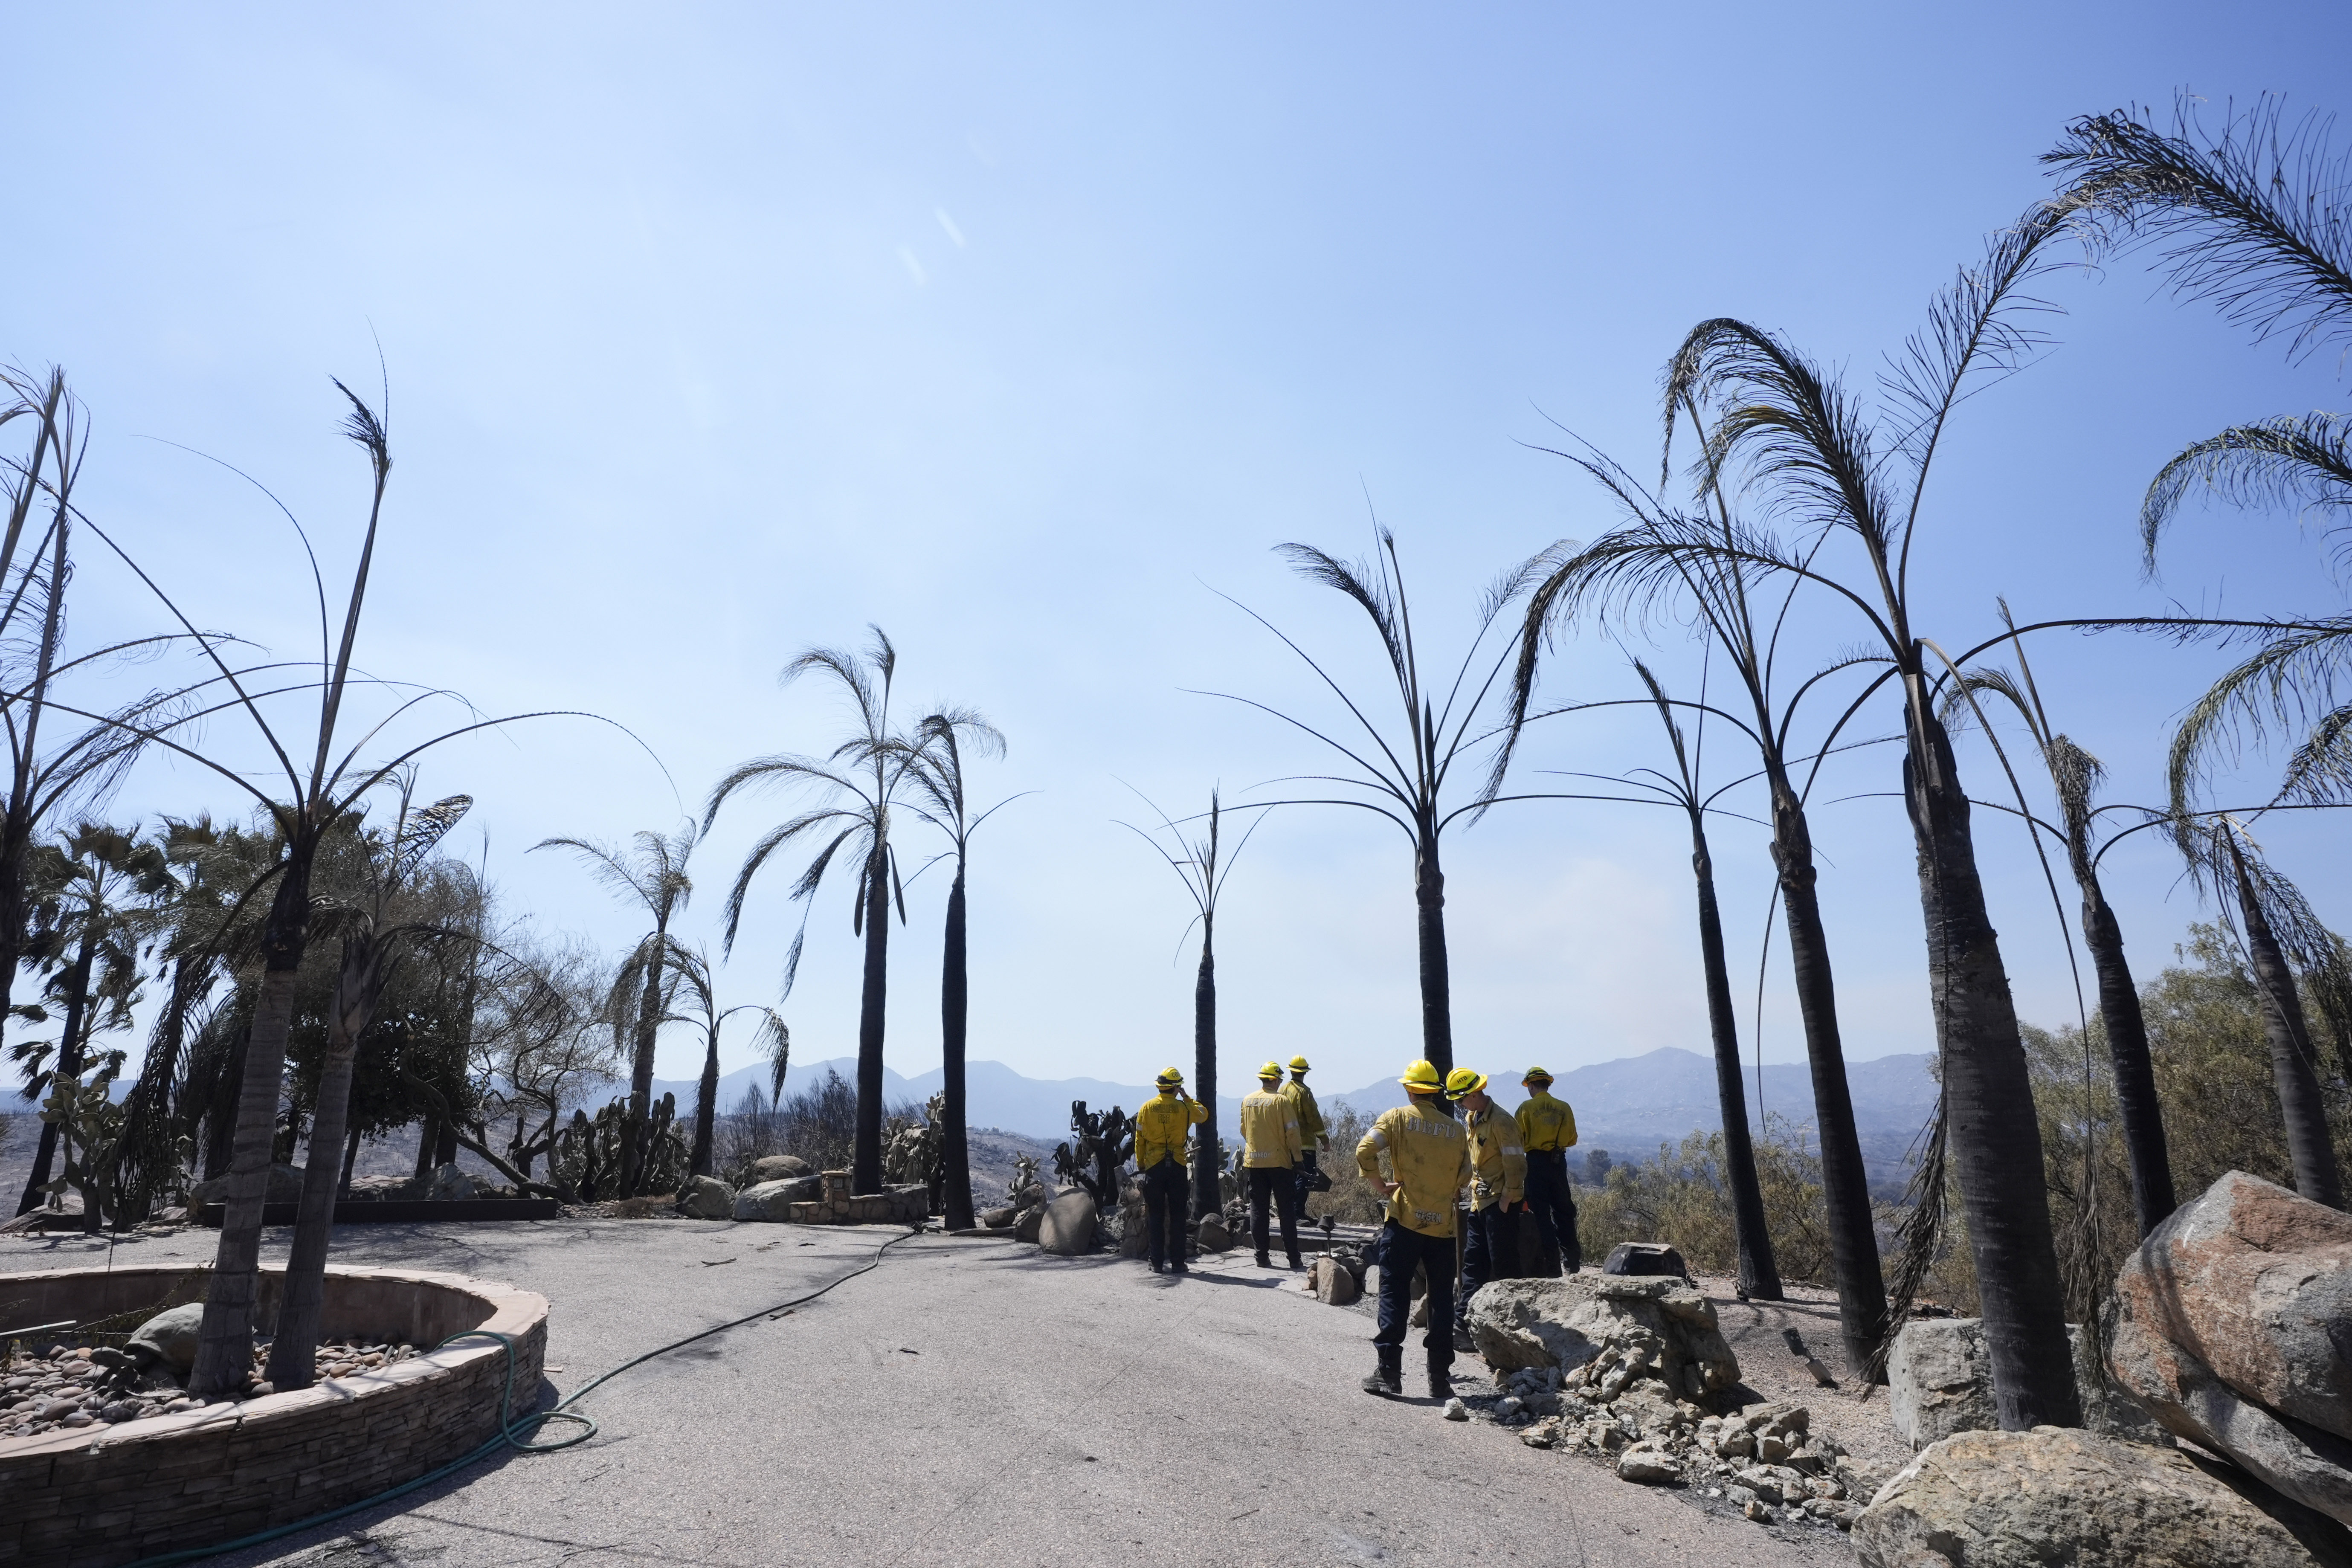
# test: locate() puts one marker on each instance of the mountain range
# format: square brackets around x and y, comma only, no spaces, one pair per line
[1628,1105]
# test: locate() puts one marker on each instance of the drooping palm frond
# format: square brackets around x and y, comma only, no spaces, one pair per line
[2257,219]
[2291,678]
[2216,848]
[2301,462]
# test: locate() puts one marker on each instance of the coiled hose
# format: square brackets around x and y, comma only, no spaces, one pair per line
[515,1431]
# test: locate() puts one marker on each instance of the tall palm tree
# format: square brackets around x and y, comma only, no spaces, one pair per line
[2257,219]
[938,778]
[652,875]
[320,793]
[1405,781]
[854,787]
[1634,572]
[372,932]
[94,908]
[2074,776]
[1202,867]
[1782,428]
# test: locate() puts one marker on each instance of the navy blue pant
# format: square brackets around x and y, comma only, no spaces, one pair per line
[1554,1202]
[1494,1250]
[1163,1212]
[1278,1183]
[1400,1249]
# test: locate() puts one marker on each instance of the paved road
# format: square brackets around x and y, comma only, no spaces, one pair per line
[968,1403]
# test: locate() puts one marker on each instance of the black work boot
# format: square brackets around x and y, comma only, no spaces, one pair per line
[1262,1262]
[1441,1378]
[1295,1265]
[1389,1379]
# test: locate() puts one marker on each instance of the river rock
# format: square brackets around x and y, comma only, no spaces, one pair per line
[1068,1224]
[779,1168]
[170,1336]
[707,1198]
[1940,1382]
[1335,1285]
[448,1184]
[2031,1499]
[774,1200]
[1656,1327]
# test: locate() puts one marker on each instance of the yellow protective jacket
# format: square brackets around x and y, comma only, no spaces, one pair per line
[1547,1125]
[1499,1164]
[1428,1156]
[1161,1126]
[1270,1130]
[1310,1115]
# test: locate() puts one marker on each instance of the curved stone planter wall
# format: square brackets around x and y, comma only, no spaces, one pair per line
[98,1496]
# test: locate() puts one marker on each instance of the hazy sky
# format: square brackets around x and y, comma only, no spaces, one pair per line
[716,333]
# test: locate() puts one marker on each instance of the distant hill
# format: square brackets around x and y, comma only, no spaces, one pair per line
[1628,1107]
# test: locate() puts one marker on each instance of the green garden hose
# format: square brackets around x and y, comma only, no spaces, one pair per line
[514,1432]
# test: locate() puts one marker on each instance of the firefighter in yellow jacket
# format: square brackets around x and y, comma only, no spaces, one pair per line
[1498,1177]
[1421,1158]
[1160,1130]
[1270,1150]
[1313,1133]
[1548,1130]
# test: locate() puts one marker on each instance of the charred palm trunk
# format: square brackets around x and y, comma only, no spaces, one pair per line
[1759,1272]
[706,1108]
[1993,1134]
[67,1065]
[1206,1197]
[293,1354]
[16,843]
[1846,1182]
[641,1062]
[1436,987]
[225,1346]
[866,1162]
[2292,1063]
[2141,1112]
[955,1147]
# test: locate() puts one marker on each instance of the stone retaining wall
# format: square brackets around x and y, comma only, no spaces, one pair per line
[98,1495]
[894,1205]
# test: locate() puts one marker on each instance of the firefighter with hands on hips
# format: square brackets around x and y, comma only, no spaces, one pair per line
[1548,1130]
[1427,1157]
[1270,1150]
[1159,1131]
[1313,1133]
[1498,1174]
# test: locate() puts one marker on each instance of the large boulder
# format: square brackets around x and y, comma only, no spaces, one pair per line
[707,1198]
[1070,1223]
[2228,1324]
[1211,1234]
[169,1337]
[1031,1224]
[285,1187]
[1335,1283]
[2031,1499]
[1940,1382]
[774,1200]
[779,1168]
[449,1185]
[1625,1327]
[999,1218]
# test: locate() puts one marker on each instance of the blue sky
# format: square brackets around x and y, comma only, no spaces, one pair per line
[1025,332]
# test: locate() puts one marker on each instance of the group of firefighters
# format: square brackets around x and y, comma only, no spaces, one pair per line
[1418,1154]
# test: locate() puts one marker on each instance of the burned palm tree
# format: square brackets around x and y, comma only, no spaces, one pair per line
[1404,778]
[854,787]
[1782,429]
[372,932]
[1203,865]
[696,1002]
[321,792]
[2256,219]
[2075,777]
[941,739]
[1661,559]
[653,874]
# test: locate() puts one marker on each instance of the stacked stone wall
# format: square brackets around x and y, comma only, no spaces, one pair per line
[896,1206]
[100,1496]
